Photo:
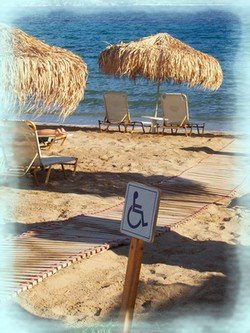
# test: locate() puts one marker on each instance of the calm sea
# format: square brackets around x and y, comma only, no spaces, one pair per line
[87,32]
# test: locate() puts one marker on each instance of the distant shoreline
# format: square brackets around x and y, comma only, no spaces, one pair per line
[91,127]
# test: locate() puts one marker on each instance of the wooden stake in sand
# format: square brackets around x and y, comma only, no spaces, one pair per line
[139,221]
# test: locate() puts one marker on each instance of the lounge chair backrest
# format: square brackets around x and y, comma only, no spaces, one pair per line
[116,107]
[33,128]
[175,108]
[18,142]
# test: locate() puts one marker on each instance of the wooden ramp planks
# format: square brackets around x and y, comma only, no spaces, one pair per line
[44,250]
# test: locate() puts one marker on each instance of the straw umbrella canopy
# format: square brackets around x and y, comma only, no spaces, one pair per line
[38,77]
[162,58]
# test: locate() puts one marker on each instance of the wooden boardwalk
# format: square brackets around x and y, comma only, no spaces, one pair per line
[45,249]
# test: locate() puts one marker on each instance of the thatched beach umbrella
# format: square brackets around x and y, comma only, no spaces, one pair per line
[38,77]
[162,58]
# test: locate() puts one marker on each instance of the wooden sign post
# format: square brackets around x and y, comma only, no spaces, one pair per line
[138,220]
[131,282]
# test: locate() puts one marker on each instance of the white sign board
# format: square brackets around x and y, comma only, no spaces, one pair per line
[140,211]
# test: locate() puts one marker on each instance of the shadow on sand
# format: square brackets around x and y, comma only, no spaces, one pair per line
[211,151]
[104,184]
[215,296]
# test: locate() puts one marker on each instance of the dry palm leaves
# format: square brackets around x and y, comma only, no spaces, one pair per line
[162,57]
[37,77]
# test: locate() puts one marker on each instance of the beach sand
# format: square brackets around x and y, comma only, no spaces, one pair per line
[187,270]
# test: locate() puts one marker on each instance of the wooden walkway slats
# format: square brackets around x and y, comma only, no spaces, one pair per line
[44,250]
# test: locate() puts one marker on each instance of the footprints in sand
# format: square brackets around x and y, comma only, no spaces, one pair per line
[156,277]
[106,285]
[147,305]
[79,310]
[98,312]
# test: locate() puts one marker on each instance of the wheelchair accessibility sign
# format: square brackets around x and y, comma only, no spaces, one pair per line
[140,211]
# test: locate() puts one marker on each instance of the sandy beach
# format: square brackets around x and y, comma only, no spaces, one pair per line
[184,271]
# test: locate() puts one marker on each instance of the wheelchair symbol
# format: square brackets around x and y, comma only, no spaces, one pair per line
[135,209]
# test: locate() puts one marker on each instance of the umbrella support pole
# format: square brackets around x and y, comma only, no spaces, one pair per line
[157,99]
[154,121]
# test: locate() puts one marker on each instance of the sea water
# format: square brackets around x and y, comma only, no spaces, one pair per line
[216,31]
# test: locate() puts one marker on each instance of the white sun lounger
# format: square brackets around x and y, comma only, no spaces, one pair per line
[176,115]
[117,112]
[22,153]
